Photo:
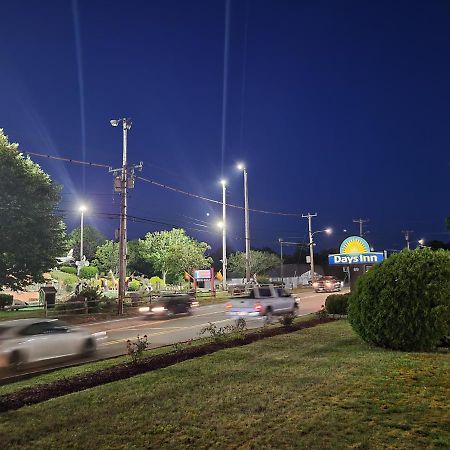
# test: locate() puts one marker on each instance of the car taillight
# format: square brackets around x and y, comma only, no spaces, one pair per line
[228,305]
[257,307]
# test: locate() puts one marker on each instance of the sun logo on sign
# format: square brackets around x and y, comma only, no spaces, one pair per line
[355,244]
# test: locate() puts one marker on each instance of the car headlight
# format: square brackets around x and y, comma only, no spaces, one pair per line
[159,309]
[144,309]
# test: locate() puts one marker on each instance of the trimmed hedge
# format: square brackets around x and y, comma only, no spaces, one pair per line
[68,269]
[337,304]
[404,303]
[5,300]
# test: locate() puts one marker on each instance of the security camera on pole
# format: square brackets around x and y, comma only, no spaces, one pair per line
[121,184]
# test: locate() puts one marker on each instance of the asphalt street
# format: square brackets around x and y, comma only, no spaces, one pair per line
[112,335]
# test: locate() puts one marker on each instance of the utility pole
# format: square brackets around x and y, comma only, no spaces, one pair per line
[121,184]
[309,216]
[82,210]
[406,233]
[361,223]
[224,234]
[280,240]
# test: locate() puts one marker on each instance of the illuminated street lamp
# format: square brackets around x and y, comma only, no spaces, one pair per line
[224,234]
[309,216]
[82,209]
[243,169]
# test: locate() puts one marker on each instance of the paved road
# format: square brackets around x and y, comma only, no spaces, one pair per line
[113,334]
[182,328]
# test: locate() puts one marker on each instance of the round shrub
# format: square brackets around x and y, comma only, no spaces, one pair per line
[134,285]
[337,304]
[404,303]
[88,272]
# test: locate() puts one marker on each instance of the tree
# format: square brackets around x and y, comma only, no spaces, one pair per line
[107,257]
[260,262]
[173,252]
[32,236]
[136,261]
[92,238]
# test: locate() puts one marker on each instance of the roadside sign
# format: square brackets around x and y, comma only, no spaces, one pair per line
[346,259]
[202,274]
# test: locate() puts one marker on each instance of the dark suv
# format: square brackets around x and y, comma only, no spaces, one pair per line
[168,305]
[327,284]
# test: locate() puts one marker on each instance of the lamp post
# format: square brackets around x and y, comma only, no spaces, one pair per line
[242,168]
[309,216]
[126,125]
[224,234]
[82,210]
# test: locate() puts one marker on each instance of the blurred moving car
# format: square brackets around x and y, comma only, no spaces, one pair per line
[168,305]
[327,284]
[24,341]
[264,301]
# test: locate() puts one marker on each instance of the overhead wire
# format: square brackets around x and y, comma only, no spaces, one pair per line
[162,185]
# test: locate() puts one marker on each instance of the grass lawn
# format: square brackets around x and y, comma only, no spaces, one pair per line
[317,388]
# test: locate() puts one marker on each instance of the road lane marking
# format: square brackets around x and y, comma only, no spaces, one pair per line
[117,341]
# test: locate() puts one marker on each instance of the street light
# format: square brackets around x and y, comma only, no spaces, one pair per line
[309,216]
[243,169]
[82,209]
[126,125]
[224,234]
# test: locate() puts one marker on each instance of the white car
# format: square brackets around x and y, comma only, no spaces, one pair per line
[26,341]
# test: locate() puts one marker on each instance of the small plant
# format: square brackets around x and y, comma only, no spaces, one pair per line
[178,347]
[220,334]
[5,300]
[136,349]
[287,320]
[322,313]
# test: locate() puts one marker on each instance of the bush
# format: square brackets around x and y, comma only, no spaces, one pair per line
[5,300]
[68,269]
[88,272]
[89,297]
[287,320]
[134,285]
[337,304]
[404,303]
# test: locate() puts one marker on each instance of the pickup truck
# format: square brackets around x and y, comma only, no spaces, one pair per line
[262,302]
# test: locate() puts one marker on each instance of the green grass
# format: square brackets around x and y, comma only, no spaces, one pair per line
[72,371]
[318,388]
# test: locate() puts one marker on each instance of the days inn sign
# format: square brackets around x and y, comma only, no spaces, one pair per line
[355,250]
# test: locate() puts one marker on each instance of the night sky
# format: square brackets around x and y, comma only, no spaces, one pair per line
[340,108]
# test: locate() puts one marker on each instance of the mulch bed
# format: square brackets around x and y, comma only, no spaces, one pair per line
[43,392]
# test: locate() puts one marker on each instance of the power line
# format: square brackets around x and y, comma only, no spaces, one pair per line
[162,185]
[74,161]
[217,202]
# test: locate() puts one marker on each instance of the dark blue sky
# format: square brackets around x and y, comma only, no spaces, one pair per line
[340,108]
